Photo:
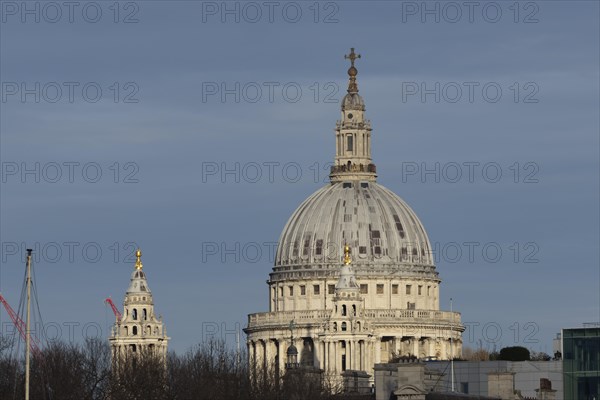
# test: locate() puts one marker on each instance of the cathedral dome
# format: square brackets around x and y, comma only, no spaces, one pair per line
[379,226]
[354,210]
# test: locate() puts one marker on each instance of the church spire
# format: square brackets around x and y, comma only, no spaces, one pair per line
[353,135]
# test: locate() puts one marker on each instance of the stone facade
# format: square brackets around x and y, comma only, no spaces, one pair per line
[393,309]
[139,330]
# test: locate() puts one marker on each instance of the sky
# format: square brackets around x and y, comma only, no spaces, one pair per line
[194,129]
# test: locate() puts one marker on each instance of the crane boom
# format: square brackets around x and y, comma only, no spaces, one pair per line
[114,309]
[34,344]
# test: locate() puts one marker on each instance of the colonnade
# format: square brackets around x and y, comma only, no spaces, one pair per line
[334,354]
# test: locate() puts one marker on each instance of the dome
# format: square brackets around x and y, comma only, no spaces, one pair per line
[292,350]
[381,229]
[138,283]
[353,101]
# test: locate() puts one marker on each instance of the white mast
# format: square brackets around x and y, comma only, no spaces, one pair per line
[28,328]
[237,342]
[451,348]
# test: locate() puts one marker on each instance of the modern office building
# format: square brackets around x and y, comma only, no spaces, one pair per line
[581,362]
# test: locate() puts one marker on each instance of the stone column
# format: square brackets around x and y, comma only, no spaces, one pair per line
[349,354]
[268,354]
[346,351]
[355,353]
[398,345]
[444,355]
[316,352]
[279,356]
[351,343]
[323,363]
[332,356]
[260,355]
[361,355]
[250,346]
[368,355]
[415,346]
[336,355]
[377,350]
[327,356]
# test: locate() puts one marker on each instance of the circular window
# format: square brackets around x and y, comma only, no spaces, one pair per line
[350,116]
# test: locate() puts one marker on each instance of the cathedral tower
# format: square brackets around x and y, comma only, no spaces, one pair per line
[383,301]
[138,330]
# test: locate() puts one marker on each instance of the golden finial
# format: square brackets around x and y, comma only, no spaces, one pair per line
[347,259]
[352,71]
[138,262]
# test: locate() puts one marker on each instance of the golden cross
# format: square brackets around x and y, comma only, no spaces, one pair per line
[352,56]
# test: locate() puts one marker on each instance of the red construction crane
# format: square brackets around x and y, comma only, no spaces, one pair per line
[34,343]
[114,308]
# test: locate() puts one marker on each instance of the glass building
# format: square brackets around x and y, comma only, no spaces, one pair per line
[581,362]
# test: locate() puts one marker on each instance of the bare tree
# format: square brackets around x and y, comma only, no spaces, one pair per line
[471,354]
[139,376]
[210,371]
[96,368]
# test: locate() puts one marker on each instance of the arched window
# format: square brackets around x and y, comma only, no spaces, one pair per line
[134,330]
[358,326]
[134,314]
[149,330]
[354,310]
[133,348]
[126,331]
[145,314]
[344,327]
[349,143]
[343,310]
[335,326]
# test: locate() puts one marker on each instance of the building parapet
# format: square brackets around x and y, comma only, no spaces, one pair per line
[283,318]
